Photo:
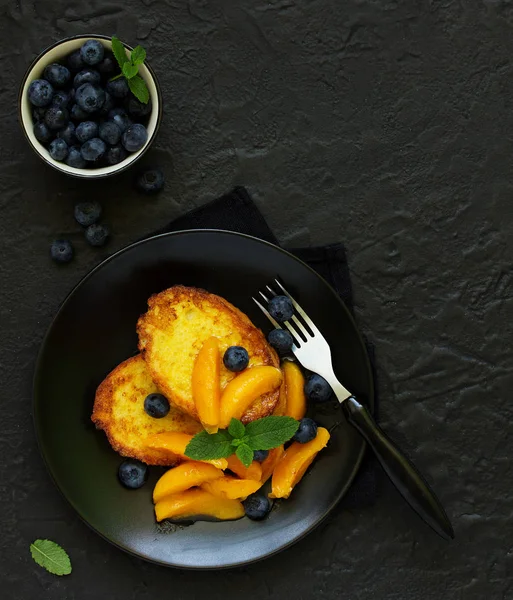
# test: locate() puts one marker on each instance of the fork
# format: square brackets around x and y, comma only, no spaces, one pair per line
[313,352]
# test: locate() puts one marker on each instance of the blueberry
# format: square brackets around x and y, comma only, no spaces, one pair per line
[260,455]
[90,97]
[92,52]
[257,506]
[93,149]
[121,119]
[281,340]
[56,117]
[75,158]
[74,61]
[110,133]
[61,251]
[134,137]
[156,405]
[97,235]
[136,108]
[108,105]
[40,92]
[118,88]
[77,114]
[58,149]
[86,76]
[281,308]
[150,181]
[317,389]
[61,99]
[68,134]
[132,473]
[42,132]
[108,65]
[86,130]
[88,213]
[115,155]
[236,358]
[57,75]
[38,113]
[306,431]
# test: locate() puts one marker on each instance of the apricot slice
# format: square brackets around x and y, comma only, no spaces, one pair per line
[195,503]
[230,487]
[281,406]
[294,462]
[242,391]
[254,471]
[175,442]
[183,477]
[270,462]
[206,390]
[295,393]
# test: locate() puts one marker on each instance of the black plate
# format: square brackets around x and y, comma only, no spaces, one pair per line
[95,330]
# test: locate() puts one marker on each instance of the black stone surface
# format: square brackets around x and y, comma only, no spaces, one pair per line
[385,124]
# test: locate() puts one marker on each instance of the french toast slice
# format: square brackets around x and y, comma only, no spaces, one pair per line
[171,333]
[119,411]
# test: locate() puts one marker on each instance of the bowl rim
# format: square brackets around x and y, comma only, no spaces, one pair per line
[89,173]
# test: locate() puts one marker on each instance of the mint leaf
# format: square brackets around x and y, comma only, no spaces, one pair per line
[270,432]
[208,446]
[244,454]
[138,55]
[236,428]
[51,556]
[119,51]
[130,70]
[139,89]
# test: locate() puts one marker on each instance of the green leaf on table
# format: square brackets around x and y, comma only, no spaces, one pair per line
[138,55]
[130,70]
[236,429]
[209,446]
[139,89]
[270,432]
[119,51]
[51,556]
[244,454]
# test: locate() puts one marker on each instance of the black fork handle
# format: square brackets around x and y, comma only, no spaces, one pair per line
[401,471]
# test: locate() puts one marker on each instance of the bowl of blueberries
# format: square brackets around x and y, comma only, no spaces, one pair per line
[83,110]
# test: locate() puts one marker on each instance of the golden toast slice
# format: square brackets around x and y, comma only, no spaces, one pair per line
[119,411]
[171,333]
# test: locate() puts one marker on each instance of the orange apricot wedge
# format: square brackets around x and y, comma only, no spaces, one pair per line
[231,487]
[270,462]
[196,503]
[281,406]
[183,477]
[242,391]
[295,390]
[206,391]
[254,471]
[295,461]
[175,442]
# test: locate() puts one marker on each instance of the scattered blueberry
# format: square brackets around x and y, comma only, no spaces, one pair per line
[110,133]
[61,99]
[115,155]
[74,61]
[134,137]
[86,76]
[93,149]
[260,455]
[77,114]
[58,149]
[88,213]
[75,158]
[132,473]
[57,75]
[281,340]
[156,405]
[257,506]
[42,132]
[92,52]
[38,113]
[150,181]
[122,120]
[108,65]
[90,97]
[86,130]
[108,105]
[40,92]
[281,308]
[97,235]
[118,88]
[61,251]
[236,358]
[56,117]
[68,134]
[306,431]
[317,389]
[137,109]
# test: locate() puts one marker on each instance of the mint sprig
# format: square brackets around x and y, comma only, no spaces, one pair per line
[262,434]
[130,69]
[51,556]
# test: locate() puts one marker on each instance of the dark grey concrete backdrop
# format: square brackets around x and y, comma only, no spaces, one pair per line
[385,124]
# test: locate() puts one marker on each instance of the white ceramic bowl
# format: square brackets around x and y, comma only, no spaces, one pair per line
[56,53]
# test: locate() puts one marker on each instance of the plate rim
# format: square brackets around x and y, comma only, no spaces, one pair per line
[35,410]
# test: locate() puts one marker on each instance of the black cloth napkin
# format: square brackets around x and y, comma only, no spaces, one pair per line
[236,211]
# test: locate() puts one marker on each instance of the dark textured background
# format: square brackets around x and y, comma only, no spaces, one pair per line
[385,124]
